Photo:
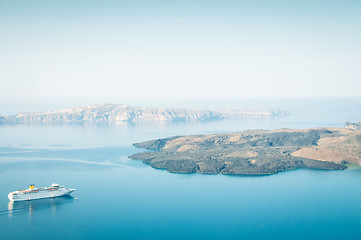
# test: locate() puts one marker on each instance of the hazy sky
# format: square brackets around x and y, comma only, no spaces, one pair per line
[79,52]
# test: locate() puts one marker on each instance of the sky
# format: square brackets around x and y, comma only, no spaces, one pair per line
[67,53]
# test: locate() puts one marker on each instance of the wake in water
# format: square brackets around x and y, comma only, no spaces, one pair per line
[15,158]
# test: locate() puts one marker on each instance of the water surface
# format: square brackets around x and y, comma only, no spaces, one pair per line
[123,199]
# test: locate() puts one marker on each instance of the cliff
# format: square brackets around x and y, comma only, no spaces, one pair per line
[254,152]
[116,112]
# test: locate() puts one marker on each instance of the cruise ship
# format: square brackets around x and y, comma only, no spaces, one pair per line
[55,190]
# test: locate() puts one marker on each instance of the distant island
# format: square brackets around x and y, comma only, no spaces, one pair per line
[118,112]
[254,152]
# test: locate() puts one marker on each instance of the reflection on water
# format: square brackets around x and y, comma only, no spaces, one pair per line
[34,205]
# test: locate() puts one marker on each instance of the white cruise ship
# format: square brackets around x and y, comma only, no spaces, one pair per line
[55,190]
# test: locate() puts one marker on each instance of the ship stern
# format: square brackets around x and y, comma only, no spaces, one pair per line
[11,196]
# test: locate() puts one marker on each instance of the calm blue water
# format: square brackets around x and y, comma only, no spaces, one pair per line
[123,199]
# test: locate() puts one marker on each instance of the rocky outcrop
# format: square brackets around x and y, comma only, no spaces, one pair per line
[354,126]
[254,152]
[116,112]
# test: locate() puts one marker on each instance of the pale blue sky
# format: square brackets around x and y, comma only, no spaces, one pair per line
[84,52]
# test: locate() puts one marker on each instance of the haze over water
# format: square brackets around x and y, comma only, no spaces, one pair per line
[300,56]
[123,199]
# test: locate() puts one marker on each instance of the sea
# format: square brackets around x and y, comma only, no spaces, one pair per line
[119,198]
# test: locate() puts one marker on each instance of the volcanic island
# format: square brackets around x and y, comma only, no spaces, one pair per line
[254,152]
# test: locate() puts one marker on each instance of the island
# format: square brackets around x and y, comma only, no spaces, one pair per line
[254,152]
[128,113]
